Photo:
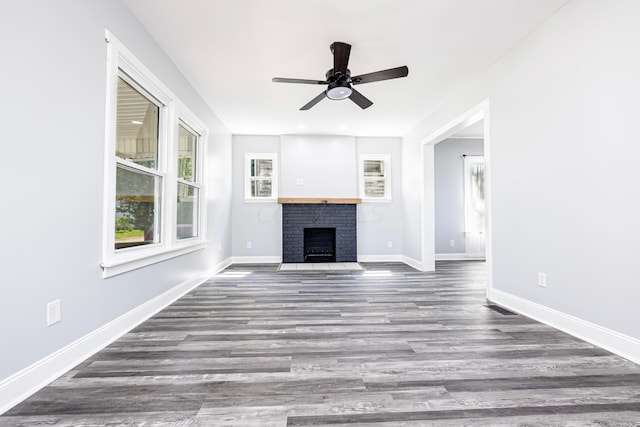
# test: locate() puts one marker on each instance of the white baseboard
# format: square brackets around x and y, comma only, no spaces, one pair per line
[219,267]
[457,257]
[610,340]
[380,258]
[21,385]
[413,262]
[451,257]
[256,260]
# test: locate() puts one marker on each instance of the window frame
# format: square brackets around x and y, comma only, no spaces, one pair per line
[386,159]
[160,170]
[193,125]
[248,157]
[121,62]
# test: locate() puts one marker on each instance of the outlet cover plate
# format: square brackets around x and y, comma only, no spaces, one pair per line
[53,312]
[542,280]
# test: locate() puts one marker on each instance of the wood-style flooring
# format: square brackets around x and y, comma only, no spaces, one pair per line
[388,346]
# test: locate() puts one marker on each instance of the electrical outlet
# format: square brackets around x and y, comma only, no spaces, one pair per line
[542,280]
[53,312]
[299,181]
[389,244]
[452,243]
[248,245]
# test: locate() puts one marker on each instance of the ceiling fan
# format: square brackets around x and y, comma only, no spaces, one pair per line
[339,80]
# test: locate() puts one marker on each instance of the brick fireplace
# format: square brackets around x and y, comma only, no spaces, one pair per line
[330,227]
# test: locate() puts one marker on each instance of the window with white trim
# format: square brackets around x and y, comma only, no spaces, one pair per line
[188,184]
[139,177]
[153,168]
[375,177]
[261,174]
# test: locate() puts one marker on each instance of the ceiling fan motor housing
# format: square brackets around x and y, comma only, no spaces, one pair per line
[332,76]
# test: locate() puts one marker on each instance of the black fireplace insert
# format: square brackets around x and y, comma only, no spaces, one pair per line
[319,245]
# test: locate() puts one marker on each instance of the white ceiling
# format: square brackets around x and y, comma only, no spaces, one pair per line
[230,50]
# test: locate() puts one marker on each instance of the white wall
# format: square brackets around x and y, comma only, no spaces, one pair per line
[563,148]
[53,108]
[307,157]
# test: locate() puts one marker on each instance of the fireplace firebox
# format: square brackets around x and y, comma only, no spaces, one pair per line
[319,245]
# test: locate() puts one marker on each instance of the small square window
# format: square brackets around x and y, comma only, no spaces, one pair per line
[375,177]
[260,176]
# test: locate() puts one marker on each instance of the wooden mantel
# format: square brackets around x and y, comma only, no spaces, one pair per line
[319,200]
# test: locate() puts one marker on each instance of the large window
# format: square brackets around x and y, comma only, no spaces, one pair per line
[138,179]
[375,177]
[153,169]
[260,177]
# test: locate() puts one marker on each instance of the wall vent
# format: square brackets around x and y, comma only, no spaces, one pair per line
[500,310]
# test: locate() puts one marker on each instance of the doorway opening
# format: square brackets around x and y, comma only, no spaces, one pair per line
[467,234]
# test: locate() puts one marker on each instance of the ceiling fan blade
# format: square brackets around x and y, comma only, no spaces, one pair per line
[341,53]
[314,101]
[391,73]
[362,101]
[305,81]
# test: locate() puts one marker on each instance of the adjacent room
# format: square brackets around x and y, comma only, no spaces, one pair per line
[287,213]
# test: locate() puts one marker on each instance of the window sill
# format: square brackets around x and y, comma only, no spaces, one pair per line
[381,200]
[134,261]
[265,200]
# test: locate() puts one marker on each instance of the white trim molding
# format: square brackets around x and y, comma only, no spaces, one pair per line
[412,262]
[451,257]
[457,257]
[615,342]
[21,385]
[381,258]
[256,260]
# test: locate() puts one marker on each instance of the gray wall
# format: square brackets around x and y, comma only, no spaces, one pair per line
[563,151]
[325,164]
[53,109]
[381,223]
[305,157]
[257,222]
[449,192]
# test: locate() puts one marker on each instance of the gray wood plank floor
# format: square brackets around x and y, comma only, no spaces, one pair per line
[386,346]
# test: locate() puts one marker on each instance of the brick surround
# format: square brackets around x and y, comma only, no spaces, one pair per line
[297,217]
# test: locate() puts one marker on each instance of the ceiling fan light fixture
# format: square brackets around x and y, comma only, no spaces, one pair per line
[339,90]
